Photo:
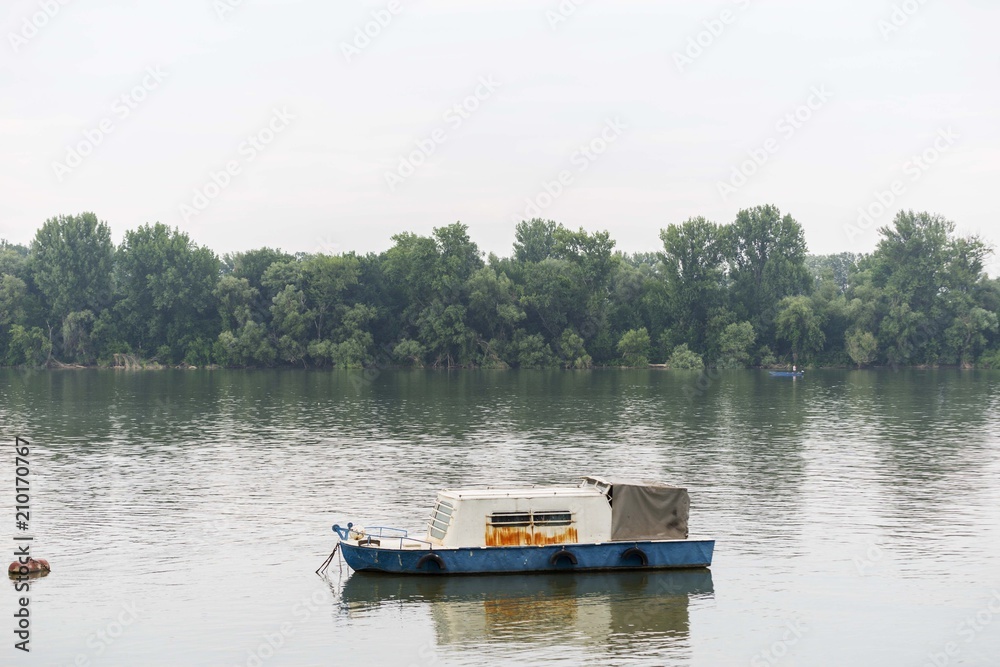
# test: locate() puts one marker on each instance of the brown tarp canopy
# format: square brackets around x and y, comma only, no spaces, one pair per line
[648,511]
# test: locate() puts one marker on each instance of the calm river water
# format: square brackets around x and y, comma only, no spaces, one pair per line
[857,516]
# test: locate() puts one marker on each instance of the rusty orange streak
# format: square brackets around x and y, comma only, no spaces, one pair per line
[524,536]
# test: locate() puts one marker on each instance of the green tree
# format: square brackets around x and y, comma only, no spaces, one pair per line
[325,280]
[247,346]
[534,240]
[912,258]
[14,260]
[591,252]
[767,254]
[634,347]
[28,346]
[554,296]
[836,268]
[71,261]
[410,352]
[628,300]
[494,313]
[967,335]
[235,298]
[924,284]
[529,351]
[252,265]
[693,254]
[291,321]
[494,310]
[165,291]
[832,308]
[572,351]
[13,291]
[443,331]
[735,344]
[862,346]
[457,259]
[410,266]
[564,278]
[77,336]
[430,277]
[684,359]
[354,349]
[441,324]
[732,294]
[903,332]
[990,360]
[799,326]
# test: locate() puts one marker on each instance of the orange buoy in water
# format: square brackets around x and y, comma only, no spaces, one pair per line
[33,566]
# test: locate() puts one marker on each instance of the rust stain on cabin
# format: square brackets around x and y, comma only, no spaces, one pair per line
[526,536]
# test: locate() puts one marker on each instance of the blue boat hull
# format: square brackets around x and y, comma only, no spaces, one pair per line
[787,374]
[555,558]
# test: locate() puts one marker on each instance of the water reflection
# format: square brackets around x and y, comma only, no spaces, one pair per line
[585,608]
[864,503]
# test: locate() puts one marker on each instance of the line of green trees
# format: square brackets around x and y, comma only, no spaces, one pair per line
[731,296]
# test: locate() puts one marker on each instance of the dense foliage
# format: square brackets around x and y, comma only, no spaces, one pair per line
[736,295]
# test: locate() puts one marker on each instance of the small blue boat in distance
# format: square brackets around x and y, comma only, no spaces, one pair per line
[787,374]
[598,525]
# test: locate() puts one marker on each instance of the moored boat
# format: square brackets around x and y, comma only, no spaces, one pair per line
[598,525]
[787,374]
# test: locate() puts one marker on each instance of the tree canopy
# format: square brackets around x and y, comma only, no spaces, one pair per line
[743,293]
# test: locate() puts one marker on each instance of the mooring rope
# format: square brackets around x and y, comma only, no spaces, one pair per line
[329,559]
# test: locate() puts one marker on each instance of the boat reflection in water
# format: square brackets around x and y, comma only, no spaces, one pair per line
[590,606]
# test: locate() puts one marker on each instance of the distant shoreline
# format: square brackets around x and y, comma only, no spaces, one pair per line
[393,367]
[740,294]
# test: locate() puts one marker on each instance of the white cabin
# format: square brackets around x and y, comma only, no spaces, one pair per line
[536,516]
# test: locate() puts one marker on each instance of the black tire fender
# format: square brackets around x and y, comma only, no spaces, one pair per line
[430,558]
[562,553]
[635,551]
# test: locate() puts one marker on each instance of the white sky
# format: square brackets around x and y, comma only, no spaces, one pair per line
[320,185]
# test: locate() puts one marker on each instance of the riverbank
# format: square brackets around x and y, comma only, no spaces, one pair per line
[156,366]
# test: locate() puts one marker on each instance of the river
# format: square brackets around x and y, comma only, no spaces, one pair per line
[856,513]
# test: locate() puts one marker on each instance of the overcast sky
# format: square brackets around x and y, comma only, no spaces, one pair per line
[624,115]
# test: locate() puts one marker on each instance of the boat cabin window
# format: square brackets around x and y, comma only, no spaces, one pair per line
[510,519]
[522,519]
[600,485]
[440,519]
[552,518]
